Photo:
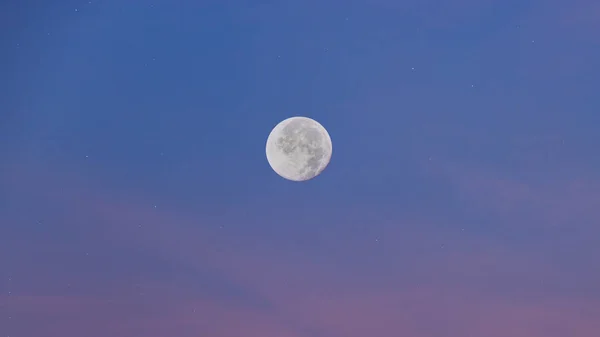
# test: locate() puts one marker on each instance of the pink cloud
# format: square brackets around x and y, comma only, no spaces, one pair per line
[157,315]
[419,311]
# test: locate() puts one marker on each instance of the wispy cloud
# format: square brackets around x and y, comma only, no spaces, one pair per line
[416,278]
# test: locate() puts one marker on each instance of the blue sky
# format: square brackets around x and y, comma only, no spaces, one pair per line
[461,199]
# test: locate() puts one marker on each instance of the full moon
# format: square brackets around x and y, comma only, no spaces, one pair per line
[299,148]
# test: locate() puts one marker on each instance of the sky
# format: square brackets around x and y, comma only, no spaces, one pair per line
[462,198]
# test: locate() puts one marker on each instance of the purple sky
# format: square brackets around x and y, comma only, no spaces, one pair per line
[463,196]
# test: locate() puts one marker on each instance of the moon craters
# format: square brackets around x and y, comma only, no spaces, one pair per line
[299,148]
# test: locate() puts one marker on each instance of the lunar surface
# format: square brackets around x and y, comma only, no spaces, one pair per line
[299,148]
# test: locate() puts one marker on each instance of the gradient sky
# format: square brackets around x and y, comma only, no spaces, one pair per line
[462,199]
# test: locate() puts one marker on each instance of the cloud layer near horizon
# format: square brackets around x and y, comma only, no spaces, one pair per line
[177,272]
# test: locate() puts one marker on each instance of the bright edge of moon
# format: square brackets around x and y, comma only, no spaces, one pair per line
[299,148]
